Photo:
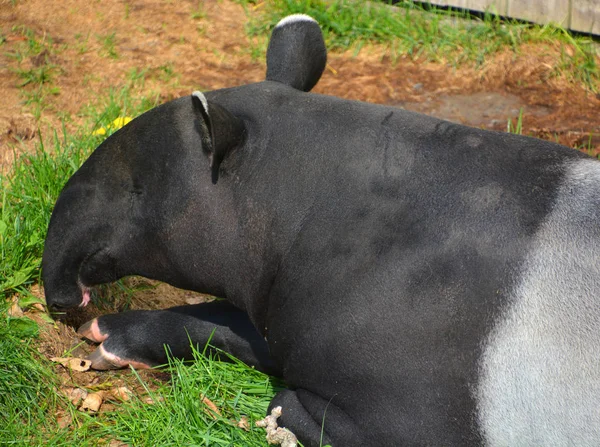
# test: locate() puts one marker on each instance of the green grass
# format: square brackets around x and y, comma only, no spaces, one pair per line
[37,75]
[199,12]
[28,197]
[23,379]
[167,74]
[517,127]
[435,34]
[37,50]
[179,416]
[33,45]
[82,43]
[35,69]
[109,45]
[30,402]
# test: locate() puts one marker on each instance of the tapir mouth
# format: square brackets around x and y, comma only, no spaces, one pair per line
[85,289]
[85,294]
[80,290]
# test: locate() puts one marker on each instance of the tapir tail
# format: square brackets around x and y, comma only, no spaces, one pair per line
[296,55]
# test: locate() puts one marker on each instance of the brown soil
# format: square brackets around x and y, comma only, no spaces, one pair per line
[90,47]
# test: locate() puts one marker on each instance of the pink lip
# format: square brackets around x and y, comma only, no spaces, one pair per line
[85,291]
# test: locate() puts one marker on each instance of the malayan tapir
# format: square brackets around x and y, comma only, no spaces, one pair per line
[414,281]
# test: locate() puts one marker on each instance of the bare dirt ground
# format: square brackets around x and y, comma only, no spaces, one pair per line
[91,46]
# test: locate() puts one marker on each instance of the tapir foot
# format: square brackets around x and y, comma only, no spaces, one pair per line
[103,360]
[316,421]
[141,338]
[91,331]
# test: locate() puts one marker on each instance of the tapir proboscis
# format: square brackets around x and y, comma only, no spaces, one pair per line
[414,282]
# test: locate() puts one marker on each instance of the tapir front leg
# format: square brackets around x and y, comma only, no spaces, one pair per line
[139,337]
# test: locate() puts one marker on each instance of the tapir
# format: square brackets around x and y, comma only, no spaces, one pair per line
[414,282]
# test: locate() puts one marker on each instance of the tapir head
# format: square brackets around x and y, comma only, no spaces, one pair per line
[127,208]
[147,201]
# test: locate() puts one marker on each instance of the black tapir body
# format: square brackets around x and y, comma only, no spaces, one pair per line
[415,282]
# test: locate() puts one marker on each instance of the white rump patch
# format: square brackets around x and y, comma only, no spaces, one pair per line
[295,18]
[202,99]
[540,371]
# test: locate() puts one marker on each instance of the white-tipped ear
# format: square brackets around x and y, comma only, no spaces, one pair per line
[295,18]
[221,131]
[296,55]
[202,99]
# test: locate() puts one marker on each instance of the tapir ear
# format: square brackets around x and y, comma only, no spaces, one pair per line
[296,55]
[222,131]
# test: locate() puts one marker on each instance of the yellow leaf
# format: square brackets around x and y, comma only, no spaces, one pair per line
[76,364]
